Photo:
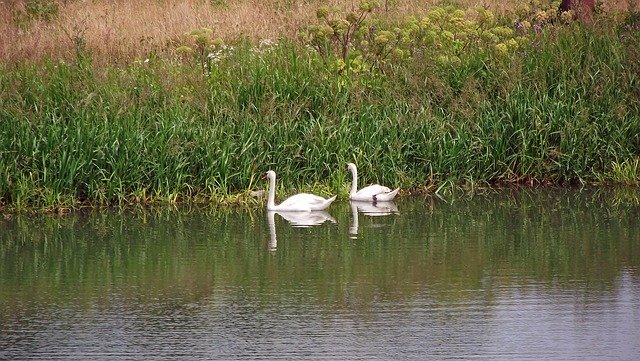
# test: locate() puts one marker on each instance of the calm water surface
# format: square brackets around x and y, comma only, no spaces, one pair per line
[514,274]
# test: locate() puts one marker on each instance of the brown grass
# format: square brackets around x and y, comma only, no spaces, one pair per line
[121,30]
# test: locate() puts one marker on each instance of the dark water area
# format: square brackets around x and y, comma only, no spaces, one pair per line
[507,274]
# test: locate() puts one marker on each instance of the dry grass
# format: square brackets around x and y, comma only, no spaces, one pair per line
[121,30]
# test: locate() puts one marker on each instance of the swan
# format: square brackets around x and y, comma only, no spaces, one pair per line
[301,202]
[372,193]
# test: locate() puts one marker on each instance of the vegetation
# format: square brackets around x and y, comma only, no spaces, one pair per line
[447,97]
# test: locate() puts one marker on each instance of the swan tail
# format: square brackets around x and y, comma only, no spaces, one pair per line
[330,200]
[387,196]
[327,203]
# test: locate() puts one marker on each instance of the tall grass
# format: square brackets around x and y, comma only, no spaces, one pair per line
[565,108]
[113,31]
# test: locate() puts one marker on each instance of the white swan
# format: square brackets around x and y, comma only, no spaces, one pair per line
[372,193]
[302,202]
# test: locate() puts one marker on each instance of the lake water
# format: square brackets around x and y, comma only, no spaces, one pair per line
[508,274]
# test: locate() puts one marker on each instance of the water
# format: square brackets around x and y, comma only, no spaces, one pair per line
[512,274]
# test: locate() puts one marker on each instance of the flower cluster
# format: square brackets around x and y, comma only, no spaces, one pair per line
[264,46]
[337,35]
[448,33]
[201,44]
[445,34]
[537,15]
[220,53]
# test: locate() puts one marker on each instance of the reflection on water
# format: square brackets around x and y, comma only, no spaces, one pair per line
[377,209]
[374,209]
[304,219]
[541,274]
[296,219]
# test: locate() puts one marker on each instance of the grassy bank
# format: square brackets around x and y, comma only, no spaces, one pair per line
[454,99]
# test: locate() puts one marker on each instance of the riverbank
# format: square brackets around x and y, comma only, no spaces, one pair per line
[442,99]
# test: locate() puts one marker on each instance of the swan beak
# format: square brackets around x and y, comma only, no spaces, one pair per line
[264,176]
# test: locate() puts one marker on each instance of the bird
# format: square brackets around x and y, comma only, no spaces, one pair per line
[301,202]
[372,193]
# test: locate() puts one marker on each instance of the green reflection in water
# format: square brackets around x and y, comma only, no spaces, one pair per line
[551,237]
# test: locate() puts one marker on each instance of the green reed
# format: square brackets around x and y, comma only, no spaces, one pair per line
[563,108]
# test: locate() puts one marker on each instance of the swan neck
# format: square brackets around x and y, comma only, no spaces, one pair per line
[271,200]
[354,181]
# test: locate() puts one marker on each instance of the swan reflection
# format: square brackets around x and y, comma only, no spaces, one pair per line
[296,219]
[376,209]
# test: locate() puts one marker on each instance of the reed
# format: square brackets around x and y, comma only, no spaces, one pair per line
[562,107]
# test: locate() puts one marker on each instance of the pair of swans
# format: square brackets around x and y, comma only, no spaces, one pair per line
[306,202]
[310,219]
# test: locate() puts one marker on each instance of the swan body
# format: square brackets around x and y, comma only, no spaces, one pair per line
[372,193]
[301,202]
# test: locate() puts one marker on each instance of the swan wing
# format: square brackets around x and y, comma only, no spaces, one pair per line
[370,193]
[324,205]
[304,202]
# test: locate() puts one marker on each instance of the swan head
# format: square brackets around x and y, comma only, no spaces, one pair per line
[351,167]
[269,175]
